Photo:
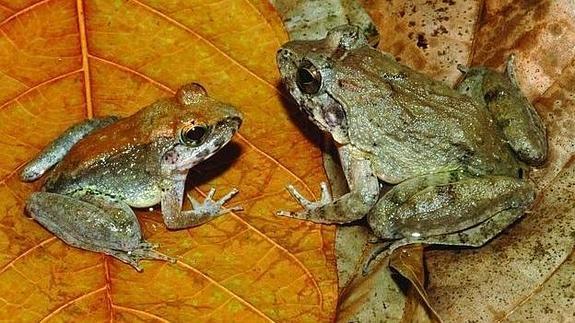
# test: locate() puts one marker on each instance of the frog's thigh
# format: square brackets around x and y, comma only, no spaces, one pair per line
[94,223]
[473,237]
[53,153]
[447,208]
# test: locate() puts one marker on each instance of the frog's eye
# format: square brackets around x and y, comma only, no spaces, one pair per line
[308,78]
[194,135]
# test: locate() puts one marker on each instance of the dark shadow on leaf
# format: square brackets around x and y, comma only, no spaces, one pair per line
[306,127]
[214,166]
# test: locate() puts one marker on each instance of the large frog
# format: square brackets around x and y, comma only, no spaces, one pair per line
[457,159]
[104,166]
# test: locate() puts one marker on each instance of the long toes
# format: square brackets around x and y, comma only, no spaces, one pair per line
[152,254]
[228,196]
[211,193]
[325,194]
[296,195]
[285,213]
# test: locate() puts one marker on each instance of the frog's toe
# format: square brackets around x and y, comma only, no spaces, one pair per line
[145,250]
[126,258]
[288,214]
[228,196]
[307,204]
[152,254]
[298,197]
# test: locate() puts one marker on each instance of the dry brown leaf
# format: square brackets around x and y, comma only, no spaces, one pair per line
[430,36]
[408,262]
[306,20]
[524,274]
[62,61]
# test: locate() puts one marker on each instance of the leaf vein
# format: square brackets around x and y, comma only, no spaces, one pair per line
[222,287]
[202,38]
[71,302]
[21,12]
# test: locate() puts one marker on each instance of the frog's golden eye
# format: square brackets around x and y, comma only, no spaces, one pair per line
[194,135]
[308,78]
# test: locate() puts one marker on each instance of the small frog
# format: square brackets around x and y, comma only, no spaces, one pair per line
[456,158]
[105,166]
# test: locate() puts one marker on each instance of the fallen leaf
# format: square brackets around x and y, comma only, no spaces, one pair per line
[524,274]
[308,20]
[63,61]
[429,36]
[408,261]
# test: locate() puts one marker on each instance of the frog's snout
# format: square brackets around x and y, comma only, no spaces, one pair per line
[234,121]
[282,56]
[286,62]
[233,117]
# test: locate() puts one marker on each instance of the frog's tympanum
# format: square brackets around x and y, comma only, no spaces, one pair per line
[457,158]
[105,166]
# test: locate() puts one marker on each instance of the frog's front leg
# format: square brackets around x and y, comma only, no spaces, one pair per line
[176,218]
[54,152]
[364,192]
[95,222]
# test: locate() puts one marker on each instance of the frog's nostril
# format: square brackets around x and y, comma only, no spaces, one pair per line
[237,121]
[231,122]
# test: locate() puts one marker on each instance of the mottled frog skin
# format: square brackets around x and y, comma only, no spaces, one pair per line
[457,158]
[105,166]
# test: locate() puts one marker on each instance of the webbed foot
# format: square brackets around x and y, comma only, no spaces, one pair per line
[212,207]
[145,250]
[308,205]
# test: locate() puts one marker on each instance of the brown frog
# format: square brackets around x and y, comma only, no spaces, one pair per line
[457,158]
[105,166]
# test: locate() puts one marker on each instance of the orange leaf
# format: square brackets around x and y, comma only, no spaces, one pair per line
[62,61]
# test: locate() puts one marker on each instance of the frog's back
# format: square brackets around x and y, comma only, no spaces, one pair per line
[120,147]
[420,126]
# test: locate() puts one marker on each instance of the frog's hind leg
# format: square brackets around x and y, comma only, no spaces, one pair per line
[54,152]
[453,210]
[514,115]
[451,204]
[473,237]
[93,222]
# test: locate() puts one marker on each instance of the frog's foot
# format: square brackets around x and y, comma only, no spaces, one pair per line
[145,250]
[308,205]
[175,218]
[213,208]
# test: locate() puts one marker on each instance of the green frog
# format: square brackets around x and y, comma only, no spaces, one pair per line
[100,168]
[456,159]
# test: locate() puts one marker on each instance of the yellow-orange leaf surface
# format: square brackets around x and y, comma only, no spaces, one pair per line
[62,61]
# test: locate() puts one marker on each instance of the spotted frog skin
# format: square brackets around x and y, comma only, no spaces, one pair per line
[105,166]
[456,158]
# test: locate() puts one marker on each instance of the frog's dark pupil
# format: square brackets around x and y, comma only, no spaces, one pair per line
[305,76]
[195,134]
[308,78]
